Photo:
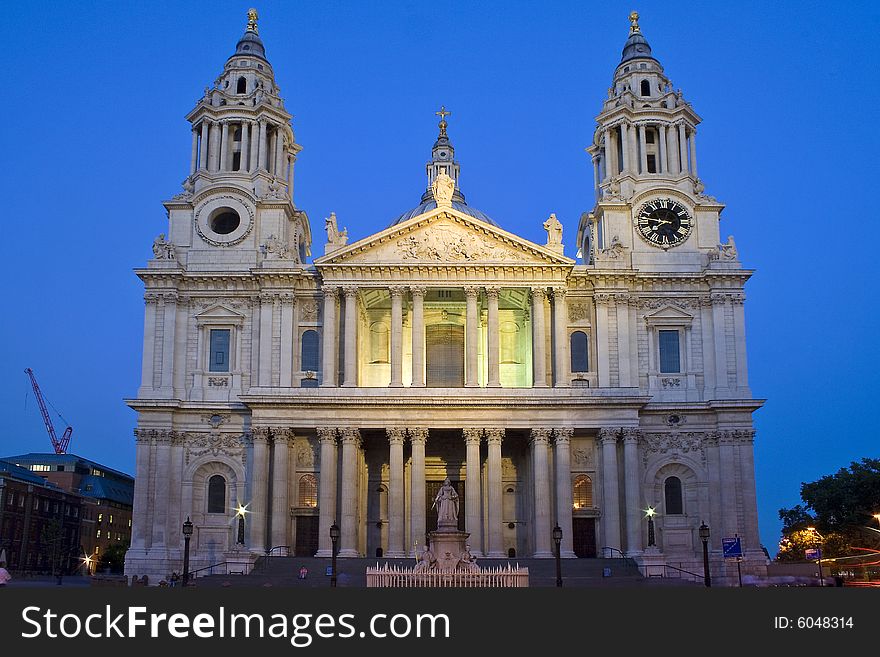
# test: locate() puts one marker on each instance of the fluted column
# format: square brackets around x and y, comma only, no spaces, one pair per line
[672,152]
[245,146]
[418,336]
[259,490]
[396,520]
[169,311]
[719,333]
[693,143]
[418,437]
[351,442]
[539,337]
[224,147]
[682,147]
[609,156]
[280,488]
[263,159]
[472,337]
[560,325]
[610,495]
[255,146]
[350,374]
[326,490]
[473,490]
[643,149]
[539,440]
[328,364]
[603,364]
[624,148]
[562,461]
[203,147]
[279,153]
[494,438]
[194,155]
[662,163]
[214,147]
[151,303]
[494,378]
[267,309]
[396,336]
[634,511]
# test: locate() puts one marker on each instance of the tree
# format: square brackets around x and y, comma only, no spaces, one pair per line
[114,558]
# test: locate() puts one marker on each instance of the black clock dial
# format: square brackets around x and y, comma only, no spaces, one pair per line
[664,222]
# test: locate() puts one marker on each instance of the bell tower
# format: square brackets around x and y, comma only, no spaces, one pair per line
[650,206]
[236,209]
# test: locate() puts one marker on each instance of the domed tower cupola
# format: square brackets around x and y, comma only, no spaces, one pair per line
[251,43]
[443,160]
[636,46]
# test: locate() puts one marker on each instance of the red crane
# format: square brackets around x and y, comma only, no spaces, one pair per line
[59,445]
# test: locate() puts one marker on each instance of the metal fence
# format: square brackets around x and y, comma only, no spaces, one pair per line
[390,576]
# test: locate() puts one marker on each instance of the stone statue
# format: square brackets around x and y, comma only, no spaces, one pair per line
[426,560]
[443,188]
[275,248]
[554,233]
[162,248]
[467,561]
[334,235]
[728,251]
[446,502]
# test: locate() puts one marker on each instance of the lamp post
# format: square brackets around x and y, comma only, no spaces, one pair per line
[650,513]
[334,538]
[704,536]
[239,512]
[557,539]
[817,542]
[187,533]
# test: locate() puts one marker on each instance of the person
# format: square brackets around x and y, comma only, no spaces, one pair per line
[174,578]
[4,574]
[303,572]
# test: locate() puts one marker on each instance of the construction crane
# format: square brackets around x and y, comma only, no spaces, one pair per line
[59,445]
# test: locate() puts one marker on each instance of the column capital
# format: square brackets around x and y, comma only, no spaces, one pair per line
[417,290]
[260,435]
[350,291]
[351,435]
[471,291]
[608,435]
[327,435]
[493,291]
[631,434]
[538,292]
[282,435]
[418,435]
[330,291]
[494,436]
[539,436]
[472,435]
[396,290]
[562,435]
[559,291]
[396,435]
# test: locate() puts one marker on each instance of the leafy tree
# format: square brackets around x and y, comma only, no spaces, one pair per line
[114,558]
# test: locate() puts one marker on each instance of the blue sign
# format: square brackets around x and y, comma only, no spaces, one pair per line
[812,554]
[328,572]
[732,548]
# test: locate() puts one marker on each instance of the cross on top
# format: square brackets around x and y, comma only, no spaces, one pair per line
[443,113]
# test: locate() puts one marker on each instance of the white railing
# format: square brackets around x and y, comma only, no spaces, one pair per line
[389,576]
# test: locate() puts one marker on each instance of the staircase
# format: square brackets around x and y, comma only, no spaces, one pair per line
[576,573]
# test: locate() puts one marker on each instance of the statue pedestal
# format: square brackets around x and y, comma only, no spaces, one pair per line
[447,546]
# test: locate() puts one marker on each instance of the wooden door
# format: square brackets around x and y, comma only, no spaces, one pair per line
[306,536]
[584,537]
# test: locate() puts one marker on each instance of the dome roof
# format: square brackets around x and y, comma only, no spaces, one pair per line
[636,46]
[431,204]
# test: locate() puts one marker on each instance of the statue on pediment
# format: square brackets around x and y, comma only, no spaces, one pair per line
[443,188]
[554,233]
[335,237]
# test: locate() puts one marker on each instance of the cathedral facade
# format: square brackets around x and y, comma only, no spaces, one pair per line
[606,394]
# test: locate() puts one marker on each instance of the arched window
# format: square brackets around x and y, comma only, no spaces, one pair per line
[308,491]
[309,353]
[582,497]
[646,88]
[672,489]
[241,87]
[216,494]
[580,351]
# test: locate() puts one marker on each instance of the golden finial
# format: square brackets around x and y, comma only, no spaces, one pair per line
[634,20]
[252,21]
[443,113]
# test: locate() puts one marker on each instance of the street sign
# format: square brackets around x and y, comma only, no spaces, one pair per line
[812,554]
[732,547]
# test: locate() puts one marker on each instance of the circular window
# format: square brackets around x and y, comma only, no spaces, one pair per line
[224,220]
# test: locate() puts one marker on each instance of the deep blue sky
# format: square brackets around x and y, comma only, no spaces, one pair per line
[94,138]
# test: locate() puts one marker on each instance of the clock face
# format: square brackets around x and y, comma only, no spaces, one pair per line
[664,222]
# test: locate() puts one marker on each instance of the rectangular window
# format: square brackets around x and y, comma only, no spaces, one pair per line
[670,358]
[98,535]
[652,163]
[219,358]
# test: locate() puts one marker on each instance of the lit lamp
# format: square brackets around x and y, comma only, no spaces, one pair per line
[334,538]
[877,516]
[650,512]
[187,533]
[557,540]
[239,513]
[704,536]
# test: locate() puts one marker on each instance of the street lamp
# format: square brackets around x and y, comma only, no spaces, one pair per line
[704,536]
[187,533]
[334,538]
[877,516]
[650,513]
[557,539]
[816,541]
[239,512]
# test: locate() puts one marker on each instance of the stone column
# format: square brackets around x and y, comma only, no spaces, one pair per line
[150,306]
[255,146]
[662,163]
[168,335]
[139,526]
[259,490]
[727,523]
[541,479]
[245,146]
[494,378]
[351,441]
[643,149]
[693,143]
[350,374]
[473,490]
[161,489]
[603,364]
[267,309]
[175,516]
[214,147]
[396,336]
[326,490]
[418,437]
[263,159]
[328,364]
[396,520]
[194,155]
[539,337]
[472,338]
[634,511]
[562,460]
[288,339]
[418,336]
[203,147]
[739,340]
[281,487]
[224,147]
[493,481]
[624,356]
[609,157]
[682,147]
[279,153]
[719,301]
[610,501]
[560,321]
[624,148]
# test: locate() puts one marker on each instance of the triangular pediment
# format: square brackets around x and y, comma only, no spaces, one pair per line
[443,236]
[219,313]
[669,315]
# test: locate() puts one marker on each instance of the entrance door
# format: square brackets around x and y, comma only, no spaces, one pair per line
[306,536]
[445,356]
[431,488]
[584,537]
